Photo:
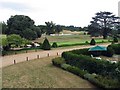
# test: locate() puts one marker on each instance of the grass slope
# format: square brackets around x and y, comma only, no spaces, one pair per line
[41,74]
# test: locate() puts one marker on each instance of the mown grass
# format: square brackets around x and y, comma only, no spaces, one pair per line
[62,41]
[71,39]
[40,73]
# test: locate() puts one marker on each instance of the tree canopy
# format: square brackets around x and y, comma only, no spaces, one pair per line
[19,24]
[103,23]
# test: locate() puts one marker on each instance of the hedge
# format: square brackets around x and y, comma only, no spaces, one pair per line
[116,48]
[59,62]
[92,65]
[98,80]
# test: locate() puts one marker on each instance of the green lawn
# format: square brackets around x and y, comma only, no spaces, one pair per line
[40,73]
[70,39]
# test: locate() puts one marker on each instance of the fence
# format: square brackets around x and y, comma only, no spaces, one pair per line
[37,57]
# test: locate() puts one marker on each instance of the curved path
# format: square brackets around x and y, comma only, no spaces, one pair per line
[9,60]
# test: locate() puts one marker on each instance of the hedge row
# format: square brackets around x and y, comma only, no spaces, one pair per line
[98,80]
[81,51]
[60,62]
[116,48]
[92,65]
[102,82]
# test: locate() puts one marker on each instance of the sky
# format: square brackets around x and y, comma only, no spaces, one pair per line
[63,12]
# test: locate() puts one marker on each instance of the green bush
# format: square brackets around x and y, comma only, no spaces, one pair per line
[74,70]
[81,51]
[92,42]
[92,65]
[116,48]
[115,39]
[58,61]
[65,66]
[54,45]
[86,42]
[46,45]
[109,52]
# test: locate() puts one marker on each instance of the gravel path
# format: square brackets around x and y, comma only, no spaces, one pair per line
[9,60]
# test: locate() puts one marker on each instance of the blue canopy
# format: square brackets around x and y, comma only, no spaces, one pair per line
[98,48]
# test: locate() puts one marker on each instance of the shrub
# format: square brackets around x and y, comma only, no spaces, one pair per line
[92,65]
[115,39]
[58,61]
[109,52]
[54,45]
[86,42]
[74,70]
[46,45]
[116,48]
[65,66]
[92,42]
[81,51]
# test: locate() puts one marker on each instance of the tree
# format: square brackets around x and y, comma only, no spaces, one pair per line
[50,27]
[4,28]
[58,29]
[115,39]
[37,30]
[29,34]
[19,23]
[14,39]
[46,45]
[104,21]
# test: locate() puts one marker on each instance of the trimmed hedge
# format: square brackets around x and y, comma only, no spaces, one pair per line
[59,62]
[46,45]
[54,45]
[81,51]
[109,52]
[92,65]
[102,81]
[116,48]
[92,42]
[98,80]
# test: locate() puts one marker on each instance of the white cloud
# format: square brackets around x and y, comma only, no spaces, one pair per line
[65,12]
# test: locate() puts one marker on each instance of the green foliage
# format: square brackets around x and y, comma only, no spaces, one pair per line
[58,61]
[115,39]
[3,41]
[101,23]
[23,26]
[91,65]
[92,42]
[54,45]
[86,42]
[58,29]
[4,28]
[102,81]
[109,52]
[116,48]
[81,51]
[50,27]
[14,39]
[29,34]
[46,45]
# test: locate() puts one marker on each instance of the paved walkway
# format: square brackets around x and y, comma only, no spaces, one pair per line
[9,60]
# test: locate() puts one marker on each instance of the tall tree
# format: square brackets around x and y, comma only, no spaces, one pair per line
[50,26]
[58,29]
[104,21]
[4,28]
[18,24]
